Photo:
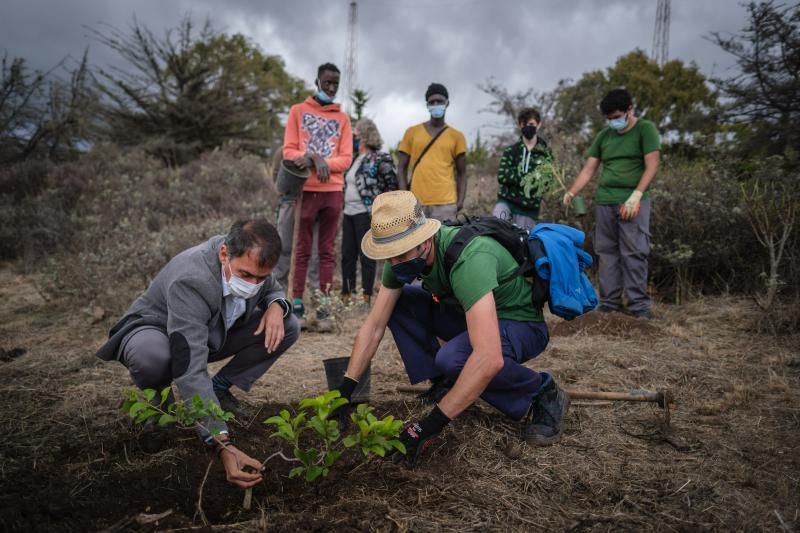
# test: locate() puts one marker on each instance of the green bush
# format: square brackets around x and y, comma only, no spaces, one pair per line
[111,220]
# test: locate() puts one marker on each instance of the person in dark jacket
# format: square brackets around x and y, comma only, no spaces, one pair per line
[525,173]
[210,302]
[372,173]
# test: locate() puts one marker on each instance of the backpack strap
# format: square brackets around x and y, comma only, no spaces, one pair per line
[425,151]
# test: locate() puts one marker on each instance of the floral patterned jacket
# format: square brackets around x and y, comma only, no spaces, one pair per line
[375,175]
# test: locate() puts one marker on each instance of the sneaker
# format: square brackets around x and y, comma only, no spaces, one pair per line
[325,324]
[543,423]
[228,402]
[439,388]
[299,310]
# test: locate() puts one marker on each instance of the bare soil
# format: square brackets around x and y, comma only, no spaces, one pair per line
[730,459]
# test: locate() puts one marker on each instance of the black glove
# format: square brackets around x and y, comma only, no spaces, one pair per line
[418,436]
[342,413]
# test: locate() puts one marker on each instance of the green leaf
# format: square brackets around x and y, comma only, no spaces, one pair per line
[399,446]
[297,471]
[166,419]
[285,415]
[165,395]
[313,472]
[275,420]
[149,394]
[350,441]
[136,408]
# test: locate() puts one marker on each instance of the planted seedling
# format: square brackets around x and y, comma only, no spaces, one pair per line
[317,441]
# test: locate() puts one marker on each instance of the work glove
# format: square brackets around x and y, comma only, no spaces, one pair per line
[567,200]
[630,208]
[418,436]
[342,413]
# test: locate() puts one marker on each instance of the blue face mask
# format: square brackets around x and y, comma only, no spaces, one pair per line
[408,271]
[620,123]
[437,111]
[323,97]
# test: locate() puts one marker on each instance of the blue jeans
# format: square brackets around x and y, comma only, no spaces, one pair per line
[417,321]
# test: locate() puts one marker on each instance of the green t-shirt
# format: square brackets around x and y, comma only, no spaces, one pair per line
[623,160]
[481,264]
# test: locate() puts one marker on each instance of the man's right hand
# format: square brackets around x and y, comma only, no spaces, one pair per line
[304,161]
[567,200]
[235,461]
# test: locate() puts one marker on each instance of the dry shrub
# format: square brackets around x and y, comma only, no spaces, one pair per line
[103,226]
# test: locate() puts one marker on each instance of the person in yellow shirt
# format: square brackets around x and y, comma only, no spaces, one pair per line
[434,149]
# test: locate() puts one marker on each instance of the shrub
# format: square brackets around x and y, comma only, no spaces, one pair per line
[114,218]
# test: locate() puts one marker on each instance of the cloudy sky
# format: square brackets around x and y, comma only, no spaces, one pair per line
[402,45]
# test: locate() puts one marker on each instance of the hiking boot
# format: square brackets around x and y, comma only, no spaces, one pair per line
[228,402]
[545,418]
[606,309]
[325,324]
[299,311]
[642,315]
[439,388]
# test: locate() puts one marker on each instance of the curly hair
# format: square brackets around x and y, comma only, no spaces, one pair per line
[368,133]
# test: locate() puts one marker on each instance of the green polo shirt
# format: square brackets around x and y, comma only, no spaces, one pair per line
[623,160]
[481,264]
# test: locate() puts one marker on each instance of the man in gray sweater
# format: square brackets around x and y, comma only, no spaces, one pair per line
[210,302]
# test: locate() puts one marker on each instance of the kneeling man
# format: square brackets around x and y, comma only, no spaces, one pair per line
[210,302]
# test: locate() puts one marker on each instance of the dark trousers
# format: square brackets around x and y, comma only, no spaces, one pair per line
[417,321]
[148,358]
[353,229]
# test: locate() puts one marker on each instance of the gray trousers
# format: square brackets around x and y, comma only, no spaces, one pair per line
[286,233]
[441,212]
[147,356]
[623,247]
[503,212]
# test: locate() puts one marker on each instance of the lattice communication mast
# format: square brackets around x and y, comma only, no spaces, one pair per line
[661,34]
[350,56]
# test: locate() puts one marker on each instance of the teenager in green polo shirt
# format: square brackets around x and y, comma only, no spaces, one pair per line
[489,328]
[629,149]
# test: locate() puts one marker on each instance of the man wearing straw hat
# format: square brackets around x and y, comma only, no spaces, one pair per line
[489,328]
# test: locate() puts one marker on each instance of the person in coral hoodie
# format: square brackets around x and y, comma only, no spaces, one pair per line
[319,137]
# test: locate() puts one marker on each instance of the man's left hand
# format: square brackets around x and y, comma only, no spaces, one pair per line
[630,208]
[272,326]
[323,171]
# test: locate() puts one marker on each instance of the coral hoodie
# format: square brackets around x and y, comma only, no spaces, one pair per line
[323,130]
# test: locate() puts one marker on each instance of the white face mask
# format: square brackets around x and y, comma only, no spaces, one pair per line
[241,288]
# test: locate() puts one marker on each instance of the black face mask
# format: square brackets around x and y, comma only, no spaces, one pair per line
[529,132]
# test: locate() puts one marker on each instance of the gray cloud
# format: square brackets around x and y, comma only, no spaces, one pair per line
[403,46]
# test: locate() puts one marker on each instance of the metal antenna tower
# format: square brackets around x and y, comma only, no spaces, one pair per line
[350,56]
[661,34]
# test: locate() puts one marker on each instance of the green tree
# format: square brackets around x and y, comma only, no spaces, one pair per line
[359,98]
[478,152]
[763,98]
[676,96]
[190,91]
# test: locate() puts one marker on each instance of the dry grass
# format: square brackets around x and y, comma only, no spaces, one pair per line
[730,462]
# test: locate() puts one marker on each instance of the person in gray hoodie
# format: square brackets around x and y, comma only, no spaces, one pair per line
[210,302]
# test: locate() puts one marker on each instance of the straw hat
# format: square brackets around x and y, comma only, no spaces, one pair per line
[398,225]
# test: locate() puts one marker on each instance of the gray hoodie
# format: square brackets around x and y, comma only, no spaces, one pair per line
[185,301]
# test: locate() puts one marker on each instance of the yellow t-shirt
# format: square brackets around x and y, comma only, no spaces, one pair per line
[433,183]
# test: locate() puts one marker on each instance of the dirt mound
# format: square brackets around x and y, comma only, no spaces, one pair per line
[613,324]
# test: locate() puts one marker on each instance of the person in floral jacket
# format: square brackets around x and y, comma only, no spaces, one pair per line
[372,173]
